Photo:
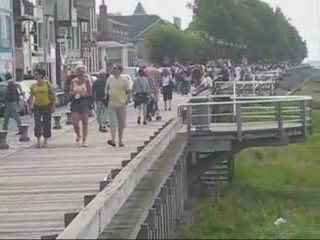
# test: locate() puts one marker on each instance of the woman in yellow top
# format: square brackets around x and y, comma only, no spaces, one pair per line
[43,99]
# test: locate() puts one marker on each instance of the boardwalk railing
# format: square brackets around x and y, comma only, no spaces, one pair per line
[252,114]
[245,88]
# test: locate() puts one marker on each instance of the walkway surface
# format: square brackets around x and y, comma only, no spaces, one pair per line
[38,186]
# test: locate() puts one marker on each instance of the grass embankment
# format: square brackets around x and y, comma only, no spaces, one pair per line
[270,183]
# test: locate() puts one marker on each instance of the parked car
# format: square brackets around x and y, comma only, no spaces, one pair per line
[22,104]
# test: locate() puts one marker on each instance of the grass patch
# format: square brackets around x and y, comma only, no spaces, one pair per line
[270,183]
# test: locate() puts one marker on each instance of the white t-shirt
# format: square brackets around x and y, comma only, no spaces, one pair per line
[165,81]
[208,81]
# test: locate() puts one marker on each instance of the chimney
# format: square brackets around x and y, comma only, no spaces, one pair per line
[177,22]
[103,10]
[103,17]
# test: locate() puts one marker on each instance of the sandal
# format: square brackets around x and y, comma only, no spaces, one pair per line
[111,143]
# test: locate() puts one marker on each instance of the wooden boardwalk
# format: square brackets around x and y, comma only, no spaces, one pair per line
[38,186]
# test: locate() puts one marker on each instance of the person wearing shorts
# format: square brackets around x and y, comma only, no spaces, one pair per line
[80,91]
[167,89]
[118,91]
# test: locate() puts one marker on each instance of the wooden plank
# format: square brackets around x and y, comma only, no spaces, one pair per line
[38,186]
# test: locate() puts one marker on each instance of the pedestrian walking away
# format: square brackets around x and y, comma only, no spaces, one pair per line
[118,94]
[141,93]
[80,93]
[99,94]
[42,101]
[11,101]
[167,89]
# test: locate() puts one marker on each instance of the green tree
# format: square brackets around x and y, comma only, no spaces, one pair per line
[267,33]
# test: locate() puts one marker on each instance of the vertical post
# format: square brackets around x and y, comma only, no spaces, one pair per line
[254,85]
[310,116]
[304,118]
[280,118]
[13,42]
[189,121]
[231,168]
[45,37]
[58,45]
[239,120]
[234,98]
[144,232]
[159,218]
[209,115]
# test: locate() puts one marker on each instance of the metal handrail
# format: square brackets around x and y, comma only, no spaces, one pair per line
[206,114]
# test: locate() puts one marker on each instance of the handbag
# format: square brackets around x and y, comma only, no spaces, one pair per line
[105,100]
[141,97]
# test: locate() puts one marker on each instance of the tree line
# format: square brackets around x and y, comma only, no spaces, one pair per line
[229,29]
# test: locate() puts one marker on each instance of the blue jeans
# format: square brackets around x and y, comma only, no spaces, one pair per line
[102,114]
[11,112]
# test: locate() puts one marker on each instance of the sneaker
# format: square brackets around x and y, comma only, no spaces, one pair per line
[84,145]
[144,122]
[38,145]
[169,109]
[78,139]
[45,143]
[139,120]
[111,143]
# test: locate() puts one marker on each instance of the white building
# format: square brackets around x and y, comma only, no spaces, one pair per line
[6,38]
[44,46]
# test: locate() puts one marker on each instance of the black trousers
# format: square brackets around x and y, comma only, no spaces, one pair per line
[42,121]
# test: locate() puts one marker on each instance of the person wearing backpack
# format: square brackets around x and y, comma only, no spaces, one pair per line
[42,99]
[141,92]
[11,101]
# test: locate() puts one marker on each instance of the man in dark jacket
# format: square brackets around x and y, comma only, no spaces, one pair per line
[99,94]
[11,101]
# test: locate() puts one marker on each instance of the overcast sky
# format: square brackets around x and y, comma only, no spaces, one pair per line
[303,14]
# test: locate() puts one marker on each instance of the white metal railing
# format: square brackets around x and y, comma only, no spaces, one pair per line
[245,88]
[280,112]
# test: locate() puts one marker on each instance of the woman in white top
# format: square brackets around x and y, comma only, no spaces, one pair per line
[167,89]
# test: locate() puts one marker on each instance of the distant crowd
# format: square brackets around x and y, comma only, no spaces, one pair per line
[110,91]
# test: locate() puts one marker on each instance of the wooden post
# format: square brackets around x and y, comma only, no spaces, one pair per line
[3,140]
[231,168]
[144,232]
[159,210]
[189,121]
[209,115]
[69,118]
[280,118]
[310,117]
[152,222]
[239,120]
[57,124]
[304,118]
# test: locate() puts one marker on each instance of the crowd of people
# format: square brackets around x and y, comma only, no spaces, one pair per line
[112,91]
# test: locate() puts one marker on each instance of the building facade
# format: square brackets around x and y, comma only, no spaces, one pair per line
[121,37]
[23,12]
[6,38]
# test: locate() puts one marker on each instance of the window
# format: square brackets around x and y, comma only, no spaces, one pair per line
[51,32]
[1,31]
[5,31]
[76,38]
[40,34]
[114,55]
[8,31]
